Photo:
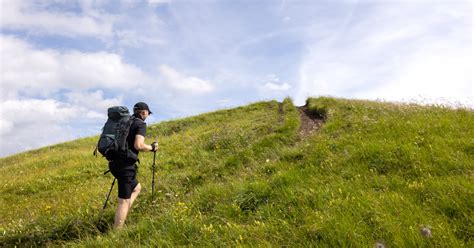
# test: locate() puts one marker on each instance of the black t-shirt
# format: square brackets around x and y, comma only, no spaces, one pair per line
[138,127]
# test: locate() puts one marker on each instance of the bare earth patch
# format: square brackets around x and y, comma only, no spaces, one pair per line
[309,122]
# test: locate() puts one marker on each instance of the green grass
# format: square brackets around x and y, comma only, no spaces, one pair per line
[374,172]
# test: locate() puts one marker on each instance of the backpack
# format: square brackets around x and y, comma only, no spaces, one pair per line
[113,143]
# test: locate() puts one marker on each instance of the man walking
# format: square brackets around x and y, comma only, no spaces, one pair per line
[125,169]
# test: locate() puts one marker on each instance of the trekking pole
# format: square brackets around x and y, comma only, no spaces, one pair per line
[108,195]
[153,178]
[101,225]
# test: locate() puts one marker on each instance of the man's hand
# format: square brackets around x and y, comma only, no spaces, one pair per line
[154,146]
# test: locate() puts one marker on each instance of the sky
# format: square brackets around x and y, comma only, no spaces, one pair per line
[64,62]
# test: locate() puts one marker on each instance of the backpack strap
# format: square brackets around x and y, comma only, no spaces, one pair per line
[133,117]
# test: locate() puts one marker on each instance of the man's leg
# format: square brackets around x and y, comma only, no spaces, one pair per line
[124,206]
[121,213]
[135,193]
[127,196]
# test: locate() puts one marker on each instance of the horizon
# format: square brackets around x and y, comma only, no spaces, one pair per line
[64,63]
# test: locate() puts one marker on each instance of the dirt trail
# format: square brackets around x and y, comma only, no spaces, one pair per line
[309,122]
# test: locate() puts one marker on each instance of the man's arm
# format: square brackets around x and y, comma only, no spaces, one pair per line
[140,144]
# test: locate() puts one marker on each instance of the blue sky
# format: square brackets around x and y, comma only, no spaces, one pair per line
[64,62]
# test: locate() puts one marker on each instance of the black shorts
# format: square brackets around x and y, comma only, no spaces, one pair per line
[125,173]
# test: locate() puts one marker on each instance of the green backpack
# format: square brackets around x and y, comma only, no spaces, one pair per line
[113,143]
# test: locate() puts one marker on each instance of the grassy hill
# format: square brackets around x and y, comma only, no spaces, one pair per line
[266,174]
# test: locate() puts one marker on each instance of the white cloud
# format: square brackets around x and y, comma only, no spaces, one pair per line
[92,100]
[29,111]
[32,123]
[5,127]
[154,2]
[102,68]
[35,72]
[184,83]
[273,78]
[396,52]
[92,105]
[74,83]
[273,85]
[32,138]
[132,38]
[91,19]
[432,73]
[277,87]
[25,15]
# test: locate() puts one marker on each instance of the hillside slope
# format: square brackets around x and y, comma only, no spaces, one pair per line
[258,175]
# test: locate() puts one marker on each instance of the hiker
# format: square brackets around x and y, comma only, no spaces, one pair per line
[125,169]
